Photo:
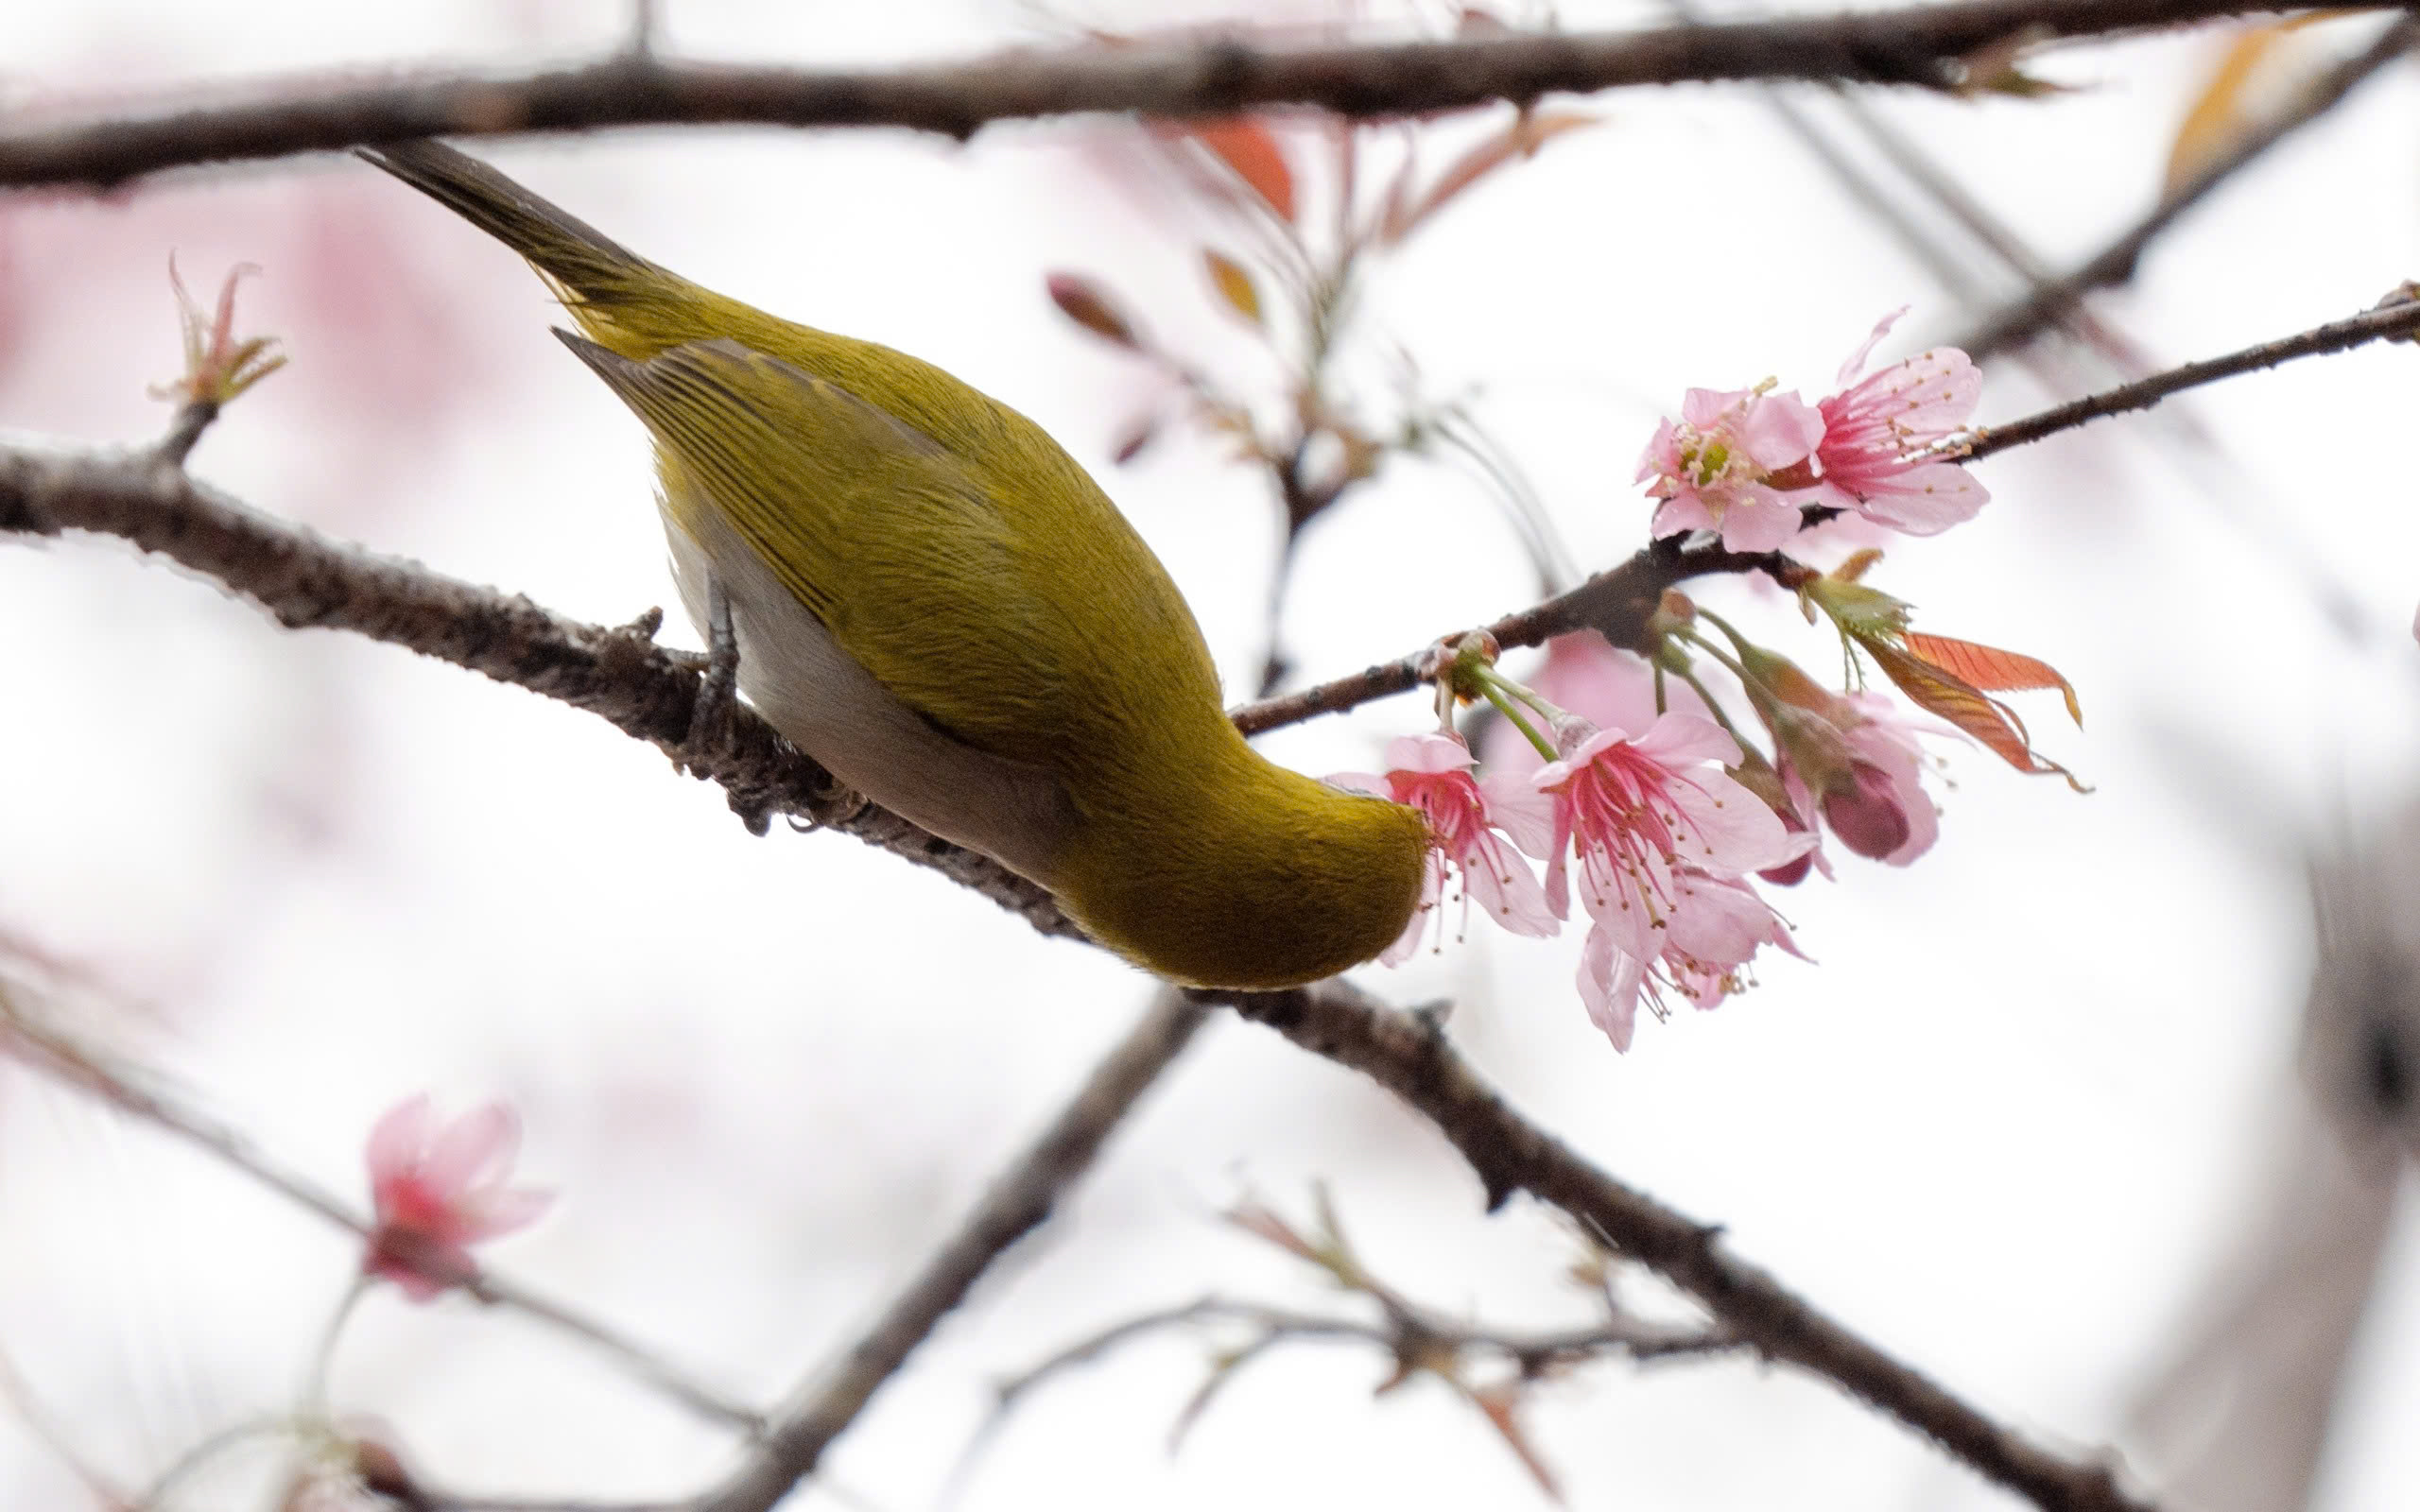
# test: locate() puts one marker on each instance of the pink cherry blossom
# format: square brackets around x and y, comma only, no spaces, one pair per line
[1432,773]
[1636,811]
[1872,428]
[438,1190]
[1718,924]
[1712,468]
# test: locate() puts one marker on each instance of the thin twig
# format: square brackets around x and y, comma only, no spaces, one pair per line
[1616,602]
[2114,264]
[1403,1336]
[1510,1154]
[60,1053]
[2385,324]
[1920,45]
[1021,1199]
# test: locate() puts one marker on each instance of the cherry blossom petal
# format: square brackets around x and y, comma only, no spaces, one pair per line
[399,1136]
[1856,364]
[1924,500]
[1778,430]
[1609,982]
[1756,520]
[1516,807]
[477,1145]
[1677,739]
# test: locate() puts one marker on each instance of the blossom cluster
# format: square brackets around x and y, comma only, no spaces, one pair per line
[1625,776]
[1637,818]
[1747,463]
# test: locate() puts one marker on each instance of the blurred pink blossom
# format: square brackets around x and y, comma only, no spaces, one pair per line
[1432,773]
[1711,470]
[440,1188]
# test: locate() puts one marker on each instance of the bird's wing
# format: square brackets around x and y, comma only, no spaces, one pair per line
[882,533]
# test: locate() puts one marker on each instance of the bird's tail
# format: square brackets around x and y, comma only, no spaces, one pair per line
[592,274]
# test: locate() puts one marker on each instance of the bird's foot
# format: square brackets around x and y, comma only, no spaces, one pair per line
[710,736]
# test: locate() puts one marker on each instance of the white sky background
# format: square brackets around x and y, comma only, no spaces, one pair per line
[2000,1128]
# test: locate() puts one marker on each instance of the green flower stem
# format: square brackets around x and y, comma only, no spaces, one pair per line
[314,1403]
[1689,676]
[1504,706]
[1741,642]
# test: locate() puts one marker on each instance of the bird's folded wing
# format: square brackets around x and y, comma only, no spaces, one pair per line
[883,535]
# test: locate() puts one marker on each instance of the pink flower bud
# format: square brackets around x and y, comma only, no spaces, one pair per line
[1865,811]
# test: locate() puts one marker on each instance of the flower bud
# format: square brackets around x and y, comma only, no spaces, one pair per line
[1865,812]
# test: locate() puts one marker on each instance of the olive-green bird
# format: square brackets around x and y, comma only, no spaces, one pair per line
[934,601]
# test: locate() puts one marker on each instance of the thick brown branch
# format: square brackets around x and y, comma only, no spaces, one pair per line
[1918,45]
[618,675]
[1510,1154]
[2051,301]
[1018,1202]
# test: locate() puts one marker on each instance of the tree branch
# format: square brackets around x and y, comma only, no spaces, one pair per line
[2391,321]
[1919,45]
[1020,1199]
[2050,303]
[1510,1154]
[1617,601]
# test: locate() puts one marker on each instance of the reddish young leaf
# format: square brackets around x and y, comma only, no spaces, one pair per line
[1502,1405]
[1245,146]
[1139,432]
[1969,708]
[1252,1218]
[1234,285]
[1087,303]
[1990,668]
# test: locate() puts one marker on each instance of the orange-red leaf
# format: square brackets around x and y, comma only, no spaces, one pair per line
[1969,708]
[1234,285]
[1247,147]
[1528,132]
[1990,668]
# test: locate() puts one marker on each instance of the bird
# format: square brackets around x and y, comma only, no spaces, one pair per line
[928,596]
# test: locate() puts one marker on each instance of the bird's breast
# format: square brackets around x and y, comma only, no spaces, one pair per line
[809,687]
